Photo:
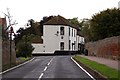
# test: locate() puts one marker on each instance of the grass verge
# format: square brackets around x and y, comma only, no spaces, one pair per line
[22,59]
[110,73]
[18,61]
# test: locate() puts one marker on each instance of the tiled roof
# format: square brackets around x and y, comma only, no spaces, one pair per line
[59,20]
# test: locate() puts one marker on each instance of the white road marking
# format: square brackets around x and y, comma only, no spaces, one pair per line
[48,64]
[40,76]
[16,66]
[83,69]
[45,69]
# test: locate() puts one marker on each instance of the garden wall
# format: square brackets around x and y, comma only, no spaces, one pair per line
[108,48]
[6,53]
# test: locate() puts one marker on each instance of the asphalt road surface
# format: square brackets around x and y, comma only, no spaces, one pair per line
[48,68]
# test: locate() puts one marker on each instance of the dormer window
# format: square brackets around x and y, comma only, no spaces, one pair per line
[61,30]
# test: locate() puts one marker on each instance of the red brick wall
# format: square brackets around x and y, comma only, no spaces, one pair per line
[109,47]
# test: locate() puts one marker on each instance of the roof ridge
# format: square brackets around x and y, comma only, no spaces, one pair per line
[59,20]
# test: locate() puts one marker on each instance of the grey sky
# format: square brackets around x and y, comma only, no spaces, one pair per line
[23,10]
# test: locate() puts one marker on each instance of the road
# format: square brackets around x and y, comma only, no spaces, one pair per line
[48,68]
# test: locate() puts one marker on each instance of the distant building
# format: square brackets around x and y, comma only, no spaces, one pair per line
[59,35]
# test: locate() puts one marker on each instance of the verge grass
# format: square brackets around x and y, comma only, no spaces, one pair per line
[22,59]
[109,72]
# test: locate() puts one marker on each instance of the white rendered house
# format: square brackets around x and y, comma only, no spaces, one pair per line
[58,35]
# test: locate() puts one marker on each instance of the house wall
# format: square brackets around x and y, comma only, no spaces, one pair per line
[80,40]
[77,41]
[38,48]
[73,38]
[52,39]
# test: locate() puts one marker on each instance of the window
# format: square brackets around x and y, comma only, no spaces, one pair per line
[61,30]
[78,46]
[74,45]
[72,32]
[62,46]
[69,31]
[78,39]
[69,44]
[61,37]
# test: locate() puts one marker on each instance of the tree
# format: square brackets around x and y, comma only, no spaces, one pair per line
[24,47]
[19,35]
[45,19]
[23,43]
[85,30]
[24,38]
[105,24]
[32,30]
[75,22]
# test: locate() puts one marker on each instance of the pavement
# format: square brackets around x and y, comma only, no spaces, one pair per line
[107,62]
[48,67]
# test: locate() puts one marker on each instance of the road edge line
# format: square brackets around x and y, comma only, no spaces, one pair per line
[16,66]
[83,69]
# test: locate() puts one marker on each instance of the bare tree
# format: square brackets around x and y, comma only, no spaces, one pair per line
[10,30]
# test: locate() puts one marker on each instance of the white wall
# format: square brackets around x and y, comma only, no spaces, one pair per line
[38,48]
[79,40]
[82,40]
[52,41]
[73,38]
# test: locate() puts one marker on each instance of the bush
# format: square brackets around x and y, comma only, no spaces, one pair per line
[24,49]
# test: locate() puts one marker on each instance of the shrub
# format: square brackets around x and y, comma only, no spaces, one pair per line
[24,49]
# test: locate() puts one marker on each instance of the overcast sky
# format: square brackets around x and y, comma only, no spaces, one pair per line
[23,10]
